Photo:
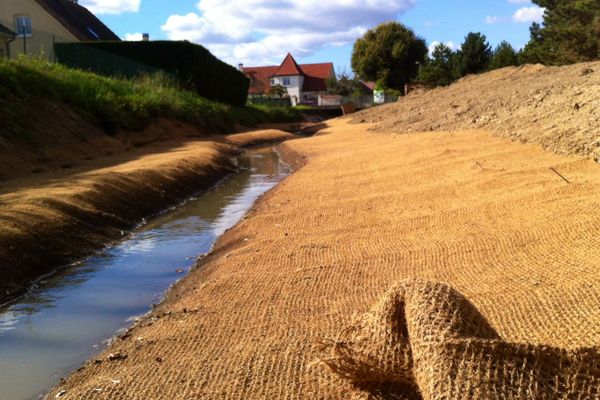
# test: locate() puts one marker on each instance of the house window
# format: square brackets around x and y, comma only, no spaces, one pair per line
[286,82]
[23,25]
[272,82]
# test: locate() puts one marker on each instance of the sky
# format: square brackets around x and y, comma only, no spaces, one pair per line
[262,32]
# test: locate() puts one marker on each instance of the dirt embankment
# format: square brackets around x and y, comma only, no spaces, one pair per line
[271,304]
[66,187]
[557,107]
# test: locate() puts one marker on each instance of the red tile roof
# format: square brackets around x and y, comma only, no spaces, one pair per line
[315,75]
[260,78]
[289,66]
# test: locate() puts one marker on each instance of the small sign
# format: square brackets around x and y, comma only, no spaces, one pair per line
[379,96]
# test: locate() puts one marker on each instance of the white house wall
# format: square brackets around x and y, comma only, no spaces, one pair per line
[295,86]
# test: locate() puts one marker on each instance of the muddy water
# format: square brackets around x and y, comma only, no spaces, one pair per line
[71,315]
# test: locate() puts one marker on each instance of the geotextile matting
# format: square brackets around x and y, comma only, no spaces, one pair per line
[440,265]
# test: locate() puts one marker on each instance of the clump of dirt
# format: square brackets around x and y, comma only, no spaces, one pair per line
[557,107]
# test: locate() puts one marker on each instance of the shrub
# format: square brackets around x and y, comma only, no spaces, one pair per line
[192,65]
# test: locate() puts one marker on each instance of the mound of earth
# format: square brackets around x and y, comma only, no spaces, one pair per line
[557,107]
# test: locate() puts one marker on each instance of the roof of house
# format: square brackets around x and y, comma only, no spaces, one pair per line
[4,31]
[315,75]
[369,85]
[289,66]
[78,20]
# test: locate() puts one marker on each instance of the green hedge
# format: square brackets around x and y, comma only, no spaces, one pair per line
[193,65]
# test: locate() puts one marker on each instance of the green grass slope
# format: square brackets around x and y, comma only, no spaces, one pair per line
[115,104]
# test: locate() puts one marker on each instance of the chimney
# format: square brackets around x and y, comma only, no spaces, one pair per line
[146,37]
[241,66]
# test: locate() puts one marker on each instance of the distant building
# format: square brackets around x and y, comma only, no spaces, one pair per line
[39,24]
[304,83]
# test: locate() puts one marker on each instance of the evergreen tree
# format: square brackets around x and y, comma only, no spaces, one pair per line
[390,54]
[504,56]
[438,71]
[474,55]
[570,34]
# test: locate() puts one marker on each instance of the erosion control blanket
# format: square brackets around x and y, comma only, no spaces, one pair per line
[424,340]
[267,314]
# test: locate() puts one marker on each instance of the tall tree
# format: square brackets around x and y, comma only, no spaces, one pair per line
[570,34]
[504,56]
[474,55]
[390,53]
[438,70]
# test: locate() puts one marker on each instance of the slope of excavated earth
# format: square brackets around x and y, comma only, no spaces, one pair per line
[557,107]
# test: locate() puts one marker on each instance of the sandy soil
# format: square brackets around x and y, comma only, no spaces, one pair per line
[488,216]
[50,218]
[557,107]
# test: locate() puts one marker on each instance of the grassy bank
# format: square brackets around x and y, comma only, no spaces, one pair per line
[115,104]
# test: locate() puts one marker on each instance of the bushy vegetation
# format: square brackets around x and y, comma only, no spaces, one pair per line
[570,33]
[194,67]
[118,103]
[474,56]
[389,54]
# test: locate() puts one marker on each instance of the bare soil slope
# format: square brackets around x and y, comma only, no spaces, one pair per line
[488,217]
[557,107]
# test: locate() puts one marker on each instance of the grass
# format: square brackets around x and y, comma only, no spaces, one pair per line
[115,104]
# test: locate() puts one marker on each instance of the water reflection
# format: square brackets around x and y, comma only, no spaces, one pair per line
[65,321]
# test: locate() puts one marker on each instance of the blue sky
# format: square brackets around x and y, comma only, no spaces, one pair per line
[259,32]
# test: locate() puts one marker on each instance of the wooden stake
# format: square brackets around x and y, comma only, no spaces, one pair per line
[558,173]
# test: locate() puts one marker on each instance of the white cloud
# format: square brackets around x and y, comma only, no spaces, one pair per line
[529,14]
[429,24]
[492,19]
[133,37]
[263,31]
[111,6]
[453,46]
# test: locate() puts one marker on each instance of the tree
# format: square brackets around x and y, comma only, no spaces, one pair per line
[343,84]
[390,53]
[570,34]
[534,51]
[504,56]
[438,70]
[278,90]
[474,55]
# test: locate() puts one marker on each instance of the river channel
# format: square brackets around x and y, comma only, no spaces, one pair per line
[71,315]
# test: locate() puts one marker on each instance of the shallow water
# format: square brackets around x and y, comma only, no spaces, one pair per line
[72,314]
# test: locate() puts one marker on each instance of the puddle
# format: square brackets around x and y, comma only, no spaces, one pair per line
[71,315]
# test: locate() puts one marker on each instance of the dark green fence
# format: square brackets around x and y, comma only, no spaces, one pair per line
[193,66]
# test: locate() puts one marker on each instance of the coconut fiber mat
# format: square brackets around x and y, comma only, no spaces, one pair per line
[292,303]
[424,340]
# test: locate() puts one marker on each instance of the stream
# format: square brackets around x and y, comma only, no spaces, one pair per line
[70,316]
